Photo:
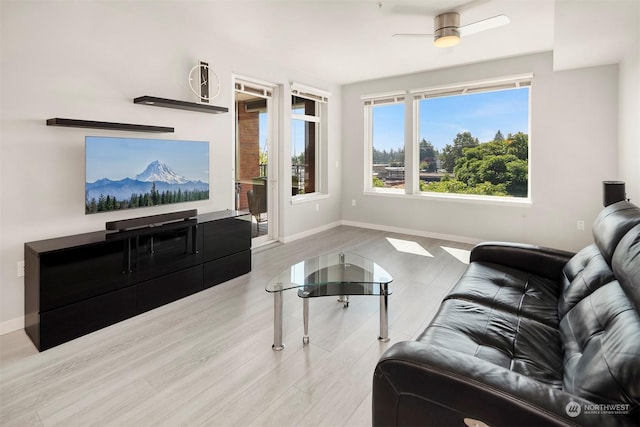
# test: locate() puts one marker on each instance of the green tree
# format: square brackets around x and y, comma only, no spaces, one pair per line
[518,145]
[498,163]
[455,186]
[451,153]
[428,156]
[93,206]
[154,196]
[384,156]
[298,160]
[110,203]
[518,171]
[449,186]
[498,137]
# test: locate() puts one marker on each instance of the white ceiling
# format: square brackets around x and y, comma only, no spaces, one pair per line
[345,41]
[589,33]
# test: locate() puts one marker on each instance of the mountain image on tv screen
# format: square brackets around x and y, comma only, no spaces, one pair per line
[125,173]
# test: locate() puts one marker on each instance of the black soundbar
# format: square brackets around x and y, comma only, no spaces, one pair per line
[143,221]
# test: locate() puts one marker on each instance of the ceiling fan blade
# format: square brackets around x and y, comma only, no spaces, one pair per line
[485,24]
[411,35]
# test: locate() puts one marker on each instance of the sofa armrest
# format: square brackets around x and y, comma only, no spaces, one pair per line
[538,260]
[417,384]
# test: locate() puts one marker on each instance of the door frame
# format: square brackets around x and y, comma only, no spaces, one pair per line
[270,92]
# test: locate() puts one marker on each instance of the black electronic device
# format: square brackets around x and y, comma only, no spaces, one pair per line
[144,221]
[612,192]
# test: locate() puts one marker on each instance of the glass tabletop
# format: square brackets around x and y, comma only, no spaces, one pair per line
[335,268]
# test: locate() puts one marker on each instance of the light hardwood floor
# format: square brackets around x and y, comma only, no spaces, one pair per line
[207,359]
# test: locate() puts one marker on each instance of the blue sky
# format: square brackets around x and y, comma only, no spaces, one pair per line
[263,129]
[118,158]
[297,134]
[441,119]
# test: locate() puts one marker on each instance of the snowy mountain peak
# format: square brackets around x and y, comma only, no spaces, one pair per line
[158,171]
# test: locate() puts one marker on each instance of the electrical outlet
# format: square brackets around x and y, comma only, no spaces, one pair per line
[353,202]
[580,224]
[20,268]
[317,207]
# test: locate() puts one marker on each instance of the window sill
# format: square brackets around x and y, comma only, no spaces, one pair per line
[305,198]
[522,202]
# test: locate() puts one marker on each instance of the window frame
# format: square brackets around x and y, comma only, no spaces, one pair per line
[370,102]
[411,116]
[321,99]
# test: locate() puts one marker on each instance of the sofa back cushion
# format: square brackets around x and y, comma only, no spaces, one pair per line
[602,349]
[612,223]
[590,268]
[583,274]
[599,313]
[626,266]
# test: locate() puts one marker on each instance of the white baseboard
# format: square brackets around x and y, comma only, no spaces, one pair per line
[391,229]
[310,232]
[421,233]
[11,325]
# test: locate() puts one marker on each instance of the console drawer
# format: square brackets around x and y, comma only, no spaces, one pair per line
[226,237]
[74,320]
[79,273]
[162,290]
[226,268]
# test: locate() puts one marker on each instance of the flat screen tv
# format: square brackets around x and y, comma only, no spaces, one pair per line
[125,173]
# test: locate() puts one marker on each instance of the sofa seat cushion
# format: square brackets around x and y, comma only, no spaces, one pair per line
[519,344]
[515,291]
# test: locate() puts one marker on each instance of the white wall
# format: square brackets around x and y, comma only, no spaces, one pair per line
[573,136]
[629,138]
[88,60]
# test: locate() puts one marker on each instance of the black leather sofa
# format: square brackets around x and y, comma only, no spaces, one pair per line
[529,336]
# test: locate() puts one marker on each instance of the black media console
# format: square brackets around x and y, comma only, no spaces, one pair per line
[78,284]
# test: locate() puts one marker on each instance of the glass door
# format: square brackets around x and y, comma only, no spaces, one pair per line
[255,186]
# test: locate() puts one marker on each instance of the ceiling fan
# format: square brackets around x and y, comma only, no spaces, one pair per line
[447,29]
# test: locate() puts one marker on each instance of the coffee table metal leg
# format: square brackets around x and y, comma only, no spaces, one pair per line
[277,321]
[344,299]
[384,315]
[305,315]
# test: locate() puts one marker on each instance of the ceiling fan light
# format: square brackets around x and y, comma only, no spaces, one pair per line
[446,38]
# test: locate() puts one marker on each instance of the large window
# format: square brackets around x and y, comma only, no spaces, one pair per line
[384,115]
[307,136]
[467,139]
[474,139]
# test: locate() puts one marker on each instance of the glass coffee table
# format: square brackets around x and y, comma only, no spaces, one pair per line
[335,274]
